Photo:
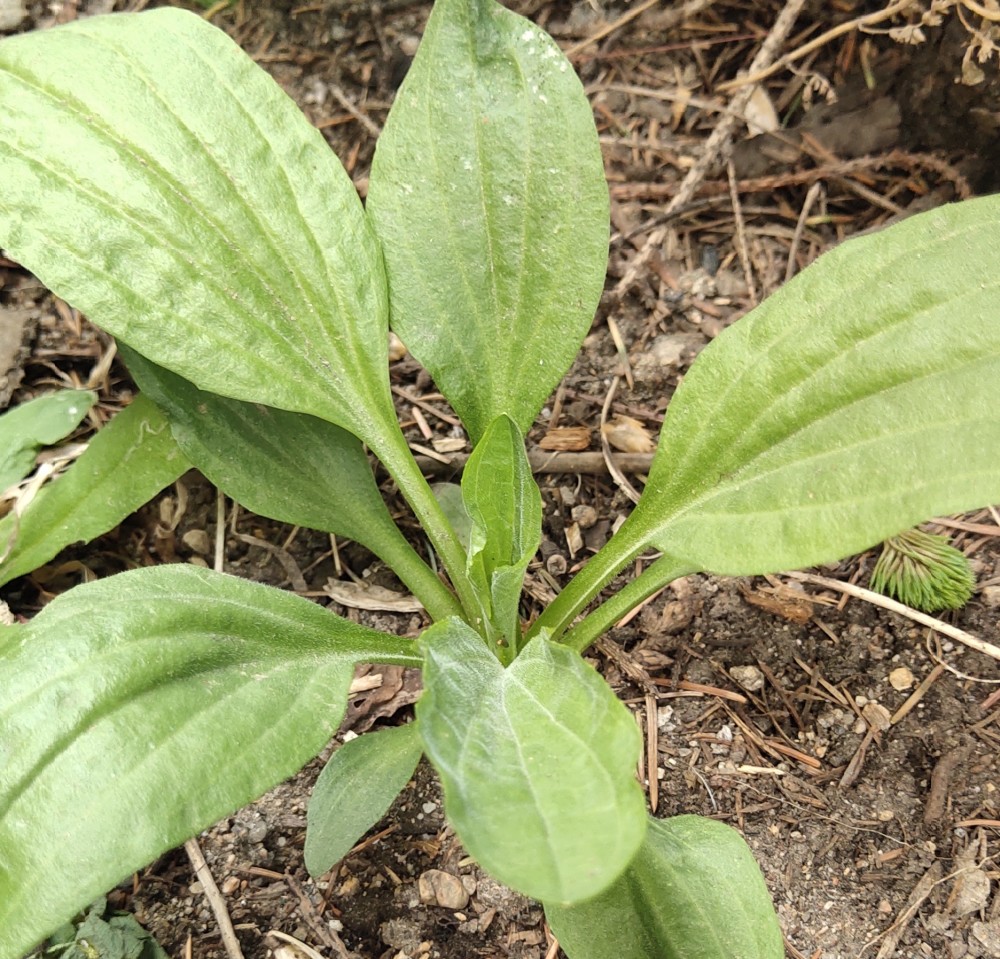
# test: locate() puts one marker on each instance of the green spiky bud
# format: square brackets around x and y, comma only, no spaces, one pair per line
[923,571]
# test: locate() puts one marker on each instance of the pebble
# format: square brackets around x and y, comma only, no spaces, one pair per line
[901,678]
[12,13]
[990,595]
[257,831]
[439,888]
[749,677]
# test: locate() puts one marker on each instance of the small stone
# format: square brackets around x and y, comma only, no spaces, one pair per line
[439,888]
[990,595]
[12,13]
[257,831]
[198,541]
[230,884]
[584,515]
[749,677]
[397,348]
[556,564]
[901,678]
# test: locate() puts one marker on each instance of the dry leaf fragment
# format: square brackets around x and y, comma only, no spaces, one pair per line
[371,597]
[760,113]
[566,438]
[628,435]
[794,607]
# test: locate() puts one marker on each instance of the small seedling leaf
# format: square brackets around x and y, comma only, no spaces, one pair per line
[537,762]
[355,790]
[502,499]
[25,429]
[124,466]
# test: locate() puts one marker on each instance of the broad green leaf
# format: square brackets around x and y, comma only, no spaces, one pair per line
[159,180]
[855,402]
[490,159]
[692,892]
[537,762]
[502,499]
[140,709]
[40,422]
[355,790]
[291,467]
[124,466]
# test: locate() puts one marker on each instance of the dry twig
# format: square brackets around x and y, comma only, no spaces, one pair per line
[716,144]
[877,599]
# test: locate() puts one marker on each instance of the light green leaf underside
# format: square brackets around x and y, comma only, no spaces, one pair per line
[855,402]
[291,467]
[140,709]
[355,790]
[488,193]
[537,762]
[158,179]
[124,466]
[692,892]
[37,423]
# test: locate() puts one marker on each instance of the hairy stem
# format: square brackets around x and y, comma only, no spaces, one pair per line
[398,460]
[627,543]
[663,571]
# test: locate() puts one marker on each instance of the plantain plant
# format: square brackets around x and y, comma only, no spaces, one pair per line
[219,239]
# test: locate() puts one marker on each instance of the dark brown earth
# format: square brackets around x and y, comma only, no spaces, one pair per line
[756,696]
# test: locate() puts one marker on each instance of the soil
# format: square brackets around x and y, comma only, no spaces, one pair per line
[757,696]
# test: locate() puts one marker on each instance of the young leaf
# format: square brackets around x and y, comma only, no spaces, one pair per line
[856,401]
[139,709]
[291,467]
[692,892]
[490,158]
[125,465]
[537,762]
[355,790]
[37,423]
[502,499]
[215,233]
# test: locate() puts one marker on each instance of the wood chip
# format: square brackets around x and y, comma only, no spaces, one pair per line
[566,438]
